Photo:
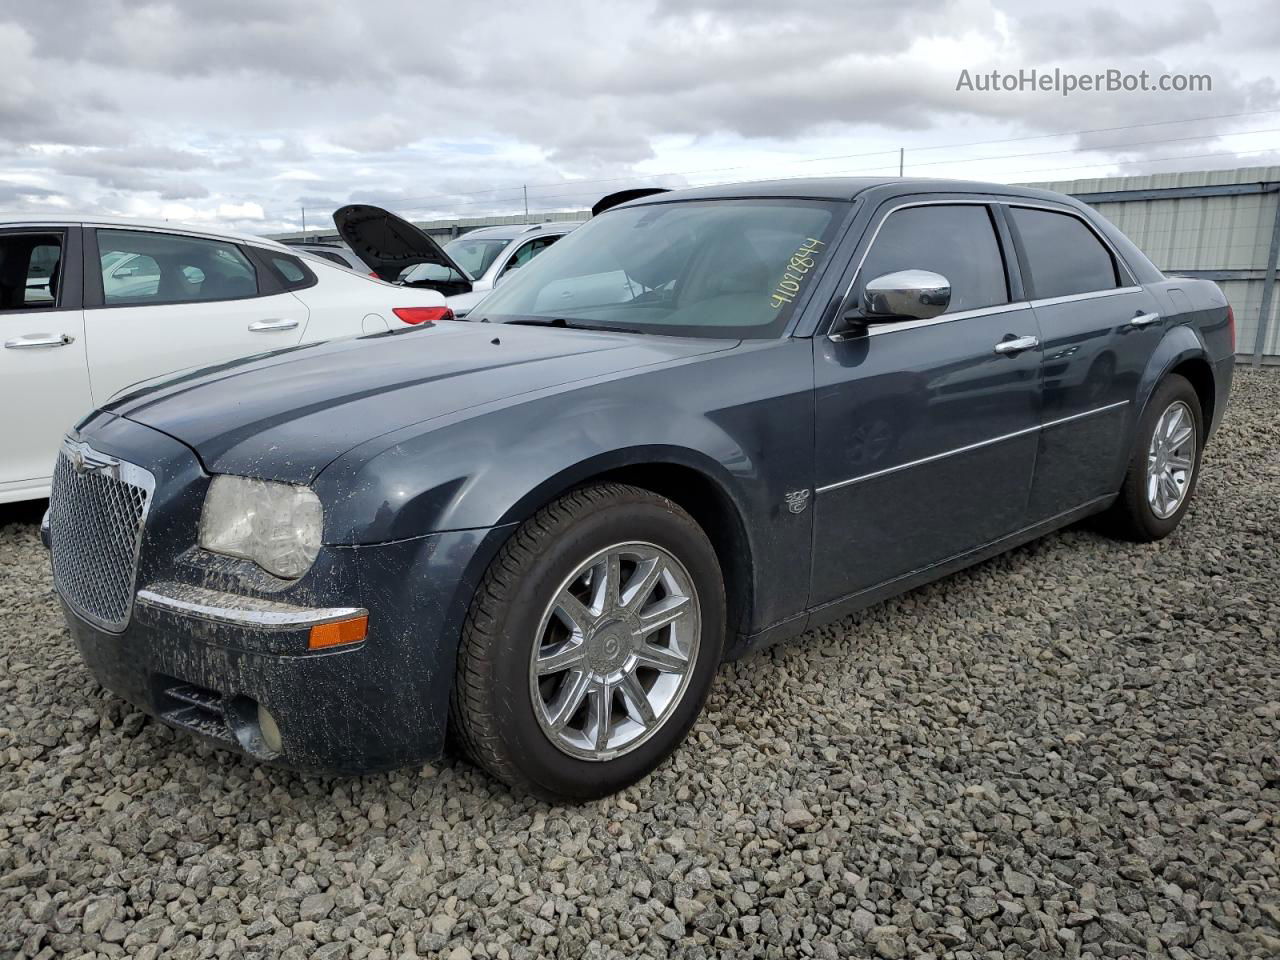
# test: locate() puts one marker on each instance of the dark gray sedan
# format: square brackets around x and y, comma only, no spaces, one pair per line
[704,422]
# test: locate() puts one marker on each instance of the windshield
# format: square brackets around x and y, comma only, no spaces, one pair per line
[474,256]
[710,268]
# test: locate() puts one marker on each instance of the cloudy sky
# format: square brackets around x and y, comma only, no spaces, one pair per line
[243,112]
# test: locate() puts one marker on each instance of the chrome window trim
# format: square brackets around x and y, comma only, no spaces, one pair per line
[894,326]
[1132,287]
[921,203]
[1106,242]
[1091,295]
[968,447]
[242,611]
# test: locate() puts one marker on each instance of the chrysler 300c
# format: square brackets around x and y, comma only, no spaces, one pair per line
[705,421]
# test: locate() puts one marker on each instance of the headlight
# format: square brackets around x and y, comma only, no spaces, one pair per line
[276,525]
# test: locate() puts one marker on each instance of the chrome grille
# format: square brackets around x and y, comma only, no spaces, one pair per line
[96,515]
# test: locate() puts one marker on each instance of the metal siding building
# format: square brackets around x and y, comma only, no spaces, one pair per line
[1223,225]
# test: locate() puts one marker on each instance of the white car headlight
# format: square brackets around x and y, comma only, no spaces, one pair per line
[276,525]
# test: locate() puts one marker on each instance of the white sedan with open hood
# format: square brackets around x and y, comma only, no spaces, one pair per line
[465,269]
[91,305]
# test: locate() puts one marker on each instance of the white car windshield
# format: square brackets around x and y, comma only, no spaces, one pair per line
[473,255]
[710,268]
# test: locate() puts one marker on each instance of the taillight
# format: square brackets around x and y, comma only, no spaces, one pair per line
[417,316]
[1231,326]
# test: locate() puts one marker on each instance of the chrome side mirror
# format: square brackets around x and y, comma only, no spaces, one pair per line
[906,294]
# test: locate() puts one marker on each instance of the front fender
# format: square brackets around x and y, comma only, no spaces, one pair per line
[500,468]
[742,419]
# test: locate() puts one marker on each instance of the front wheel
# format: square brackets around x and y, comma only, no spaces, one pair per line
[1165,463]
[591,644]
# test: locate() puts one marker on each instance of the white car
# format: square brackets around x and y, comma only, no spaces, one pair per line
[464,269]
[89,306]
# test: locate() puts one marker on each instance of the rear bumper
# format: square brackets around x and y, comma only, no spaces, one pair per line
[212,672]
[1224,372]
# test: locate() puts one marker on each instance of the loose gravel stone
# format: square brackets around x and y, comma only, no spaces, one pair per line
[1068,751]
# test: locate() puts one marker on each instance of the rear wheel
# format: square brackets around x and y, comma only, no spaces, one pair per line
[1165,463]
[591,644]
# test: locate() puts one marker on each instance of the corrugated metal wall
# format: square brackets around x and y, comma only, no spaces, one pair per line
[1226,236]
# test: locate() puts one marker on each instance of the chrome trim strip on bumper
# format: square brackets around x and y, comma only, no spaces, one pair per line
[972,446]
[237,610]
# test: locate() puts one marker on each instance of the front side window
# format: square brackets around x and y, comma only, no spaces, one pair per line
[30,266]
[142,267]
[957,241]
[528,252]
[706,268]
[1063,257]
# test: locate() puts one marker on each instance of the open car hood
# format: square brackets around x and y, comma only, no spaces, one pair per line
[387,243]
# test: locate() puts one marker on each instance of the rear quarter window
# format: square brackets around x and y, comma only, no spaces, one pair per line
[292,273]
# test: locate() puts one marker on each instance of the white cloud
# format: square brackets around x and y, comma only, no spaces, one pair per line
[246,112]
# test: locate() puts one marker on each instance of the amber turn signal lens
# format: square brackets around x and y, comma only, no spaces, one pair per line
[339,632]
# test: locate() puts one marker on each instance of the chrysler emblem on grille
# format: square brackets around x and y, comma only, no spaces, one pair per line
[84,459]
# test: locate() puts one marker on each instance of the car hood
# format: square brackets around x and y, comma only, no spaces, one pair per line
[387,243]
[287,415]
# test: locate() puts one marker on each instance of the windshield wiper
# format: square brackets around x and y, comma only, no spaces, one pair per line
[569,324]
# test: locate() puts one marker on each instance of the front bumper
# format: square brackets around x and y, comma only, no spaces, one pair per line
[212,663]
[216,646]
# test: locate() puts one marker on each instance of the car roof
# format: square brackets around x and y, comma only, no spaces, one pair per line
[514,230]
[99,220]
[841,188]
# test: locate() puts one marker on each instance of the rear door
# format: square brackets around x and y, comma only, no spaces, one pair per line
[1099,328]
[925,432]
[44,377]
[157,302]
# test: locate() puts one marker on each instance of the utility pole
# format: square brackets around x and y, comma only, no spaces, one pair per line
[526,203]
[304,223]
[902,153]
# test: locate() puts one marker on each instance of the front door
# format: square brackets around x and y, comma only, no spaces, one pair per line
[169,301]
[926,433]
[44,379]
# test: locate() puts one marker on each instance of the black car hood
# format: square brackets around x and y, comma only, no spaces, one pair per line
[287,415]
[387,243]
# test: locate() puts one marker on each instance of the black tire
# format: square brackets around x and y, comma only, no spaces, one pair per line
[1131,517]
[492,710]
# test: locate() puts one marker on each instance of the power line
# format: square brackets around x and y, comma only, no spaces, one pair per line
[847,156]
[577,191]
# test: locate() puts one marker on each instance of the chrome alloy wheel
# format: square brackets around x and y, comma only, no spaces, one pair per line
[615,651]
[1171,460]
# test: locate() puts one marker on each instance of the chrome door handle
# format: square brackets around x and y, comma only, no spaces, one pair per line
[31,341]
[266,326]
[1144,319]
[1017,346]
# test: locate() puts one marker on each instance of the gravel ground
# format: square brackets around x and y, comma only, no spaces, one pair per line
[1068,751]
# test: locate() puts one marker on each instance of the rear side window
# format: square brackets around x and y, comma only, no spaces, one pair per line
[290,272]
[957,241]
[29,270]
[331,257]
[140,268]
[1062,256]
